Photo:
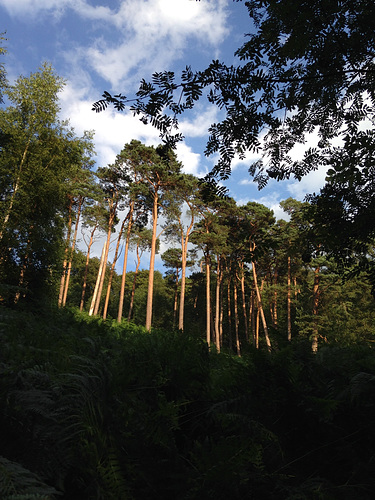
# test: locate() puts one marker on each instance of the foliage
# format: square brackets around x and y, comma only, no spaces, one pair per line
[93,409]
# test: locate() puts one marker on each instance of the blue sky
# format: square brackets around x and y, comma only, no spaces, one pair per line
[98,45]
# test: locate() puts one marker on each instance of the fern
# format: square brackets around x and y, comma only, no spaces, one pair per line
[19,483]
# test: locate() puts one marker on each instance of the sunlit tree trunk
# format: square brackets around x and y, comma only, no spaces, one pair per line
[15,190]
[316,294]
[87,267]
[260,307]
[184,248]
[236,319]
[69,269]
[108,294]
[208,300]
[242,281]
[150,291]
[96,289]
[229,306]
[125,264]
[134,283]
[66,253]
[289,319]
[217,303]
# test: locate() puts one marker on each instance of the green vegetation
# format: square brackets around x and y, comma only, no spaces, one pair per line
[93,409]
[247,370]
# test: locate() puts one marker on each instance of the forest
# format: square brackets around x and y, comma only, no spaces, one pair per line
[244,370]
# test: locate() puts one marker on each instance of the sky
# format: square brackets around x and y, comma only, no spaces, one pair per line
[98,45]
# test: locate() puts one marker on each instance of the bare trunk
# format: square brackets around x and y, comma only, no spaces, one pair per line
[275,300]
[229,308]
[289,319]
[67,279]
[150,291]
[15,190]
[96,289]
[242,281]
[66,253]
[87,268]
[134,282]
[105,310]
[184,245]
[217,304]
[260,307]
[175,300]
[235,300]
[316,293]
[126,252]
[208,301]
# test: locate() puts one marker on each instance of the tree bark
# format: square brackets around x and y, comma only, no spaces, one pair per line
[235,300]
[217,304]
[67,279]
[66,253]
[105,310]
[289,319]
[87,268]
[150,291]
[260,307]
[126,252]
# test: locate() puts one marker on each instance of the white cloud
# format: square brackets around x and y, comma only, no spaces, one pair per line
[310,183]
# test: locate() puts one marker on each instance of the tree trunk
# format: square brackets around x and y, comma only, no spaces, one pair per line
[289,319]
[235,300]
[260,307]
[66,253]
[217,304]
[184,246]
[87,268]
[134,281]
[242,281]
[105,310]
[126,252]
[229,306]
[98,278]
[15,190]
[67,279]
[175,301]
[150,290]
[208,301]
[316,294]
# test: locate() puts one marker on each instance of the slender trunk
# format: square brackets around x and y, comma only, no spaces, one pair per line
[208,301]
[275,300]
[101,275]
[67,279]
[316,294]
[66,253]
[252,320]
[289,319]
[235,300]
[175,300]
[184,246]
[96,289]
[23,269]
[229,305]
[134,282]
[15,190]
[87,268]
[217,304]
[242,281]
[125,264]
[150,290]
[105,310]
[260,307]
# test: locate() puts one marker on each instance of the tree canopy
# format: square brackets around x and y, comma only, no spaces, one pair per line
[305,75]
